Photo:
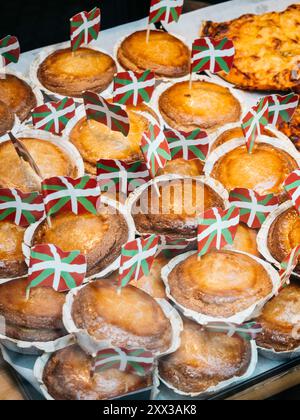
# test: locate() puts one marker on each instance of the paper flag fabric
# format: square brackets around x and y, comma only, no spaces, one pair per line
[24,154]
[254,208]
[20,208]
[85,27]
[254,122]
[188,146]
[216,229]
[288,266]
[132,88]
[248,331]
[282,108]
[119,176]
[292,186]
[135,361]
[155,149]
[66,194]
[167,11]
[9,50]
[171,247]
[111,115]
[51,267]
[137,258]
[212,55]
[54,116]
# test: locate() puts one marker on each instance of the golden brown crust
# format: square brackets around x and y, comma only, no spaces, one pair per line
[72,73]
[267,49]
[292,129]
[245,240]
[164,54]
[12,262]
[183,167]
[7,119]
[234,134]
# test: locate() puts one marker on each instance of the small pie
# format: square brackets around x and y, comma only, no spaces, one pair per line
[68,376]
[12,263]
[7,119]
[72,73]
[245,240]
[233,134]
[183,167]
[207,105]
[164,54]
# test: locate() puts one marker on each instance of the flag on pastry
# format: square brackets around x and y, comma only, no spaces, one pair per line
[212,55]
[132,88]
[171,247]
[119,176]
[67,194]
[254,122]
[155,149]
[24,154]
[188,146]
[51,267]
[9,50]
[54,116]
[248,331]
[111,115]
[167,11]
[254,208]
[217,228]
[135,361]
[20,208]
[137,258]
[85,28]
[288,266]
[292,186]
[282,108]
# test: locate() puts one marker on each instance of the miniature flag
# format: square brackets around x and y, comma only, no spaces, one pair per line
[85,28]
[111,115]
[282,108]
[171,247]
[155,149]
[51,267]
[66,194]
[24,154]
[132,88]
[119,176]
[292,186]
[167,11]
[137,258]
[288,266]
[254,208]
[20,208]
[217,228]
[54,116]
[135,361]
[188,146]
[248,331]
[214,56]
[9,50]
[254,122]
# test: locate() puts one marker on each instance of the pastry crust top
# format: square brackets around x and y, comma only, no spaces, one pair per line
[245,240]
[12,262]
[7,118]
[183,167]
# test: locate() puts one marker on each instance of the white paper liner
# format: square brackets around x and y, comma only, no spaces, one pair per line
[263,234]
[271,354]
[239,318]
[91,345]
[33,72]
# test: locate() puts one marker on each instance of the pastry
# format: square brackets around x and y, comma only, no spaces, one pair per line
[183,167]
[12,262]
[245,240]
[7,119]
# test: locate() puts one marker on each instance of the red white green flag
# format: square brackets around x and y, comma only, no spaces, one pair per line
[51,267]
[282,108]
[171,247]
[137,258]
[111,115]
[132,88]
[9,50]
[188,146]
[155,149]
[85,28]
[254,122]
[167,11]
[254,208]
[135,361]
[292,186]
[54,116]
[20,208]
[288,266]
[217,228]
[66,194]
[212,55]
[248,331]
[119,176]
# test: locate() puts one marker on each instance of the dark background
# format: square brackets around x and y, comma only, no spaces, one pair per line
[46,22]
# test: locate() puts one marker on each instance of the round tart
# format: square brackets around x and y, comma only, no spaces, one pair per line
[279,321]
[17,95]
[7,119]
[183,167]
[234,133]
[72,73]
[130,319]
[164,54]
[207,106]
[12,263]
[38,319]
[219,285]
[245,240]
[204,360]
[67,376]
[51,160]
